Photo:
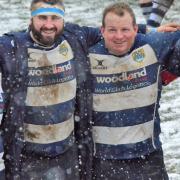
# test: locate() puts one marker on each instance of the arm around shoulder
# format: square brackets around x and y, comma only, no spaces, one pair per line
[174,60]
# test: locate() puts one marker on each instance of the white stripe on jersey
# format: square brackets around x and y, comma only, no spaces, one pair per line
[125,100]
[45,134]
[51,95]
[114,65]
[123,135]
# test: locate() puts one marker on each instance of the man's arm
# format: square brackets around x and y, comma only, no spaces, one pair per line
[93,35]
[174,60]
[89,36]
[166,76]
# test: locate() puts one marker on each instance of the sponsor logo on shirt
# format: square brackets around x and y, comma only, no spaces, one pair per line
[99,65]
[125,76]
[50,70]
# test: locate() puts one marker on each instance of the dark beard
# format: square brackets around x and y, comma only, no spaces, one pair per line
[48,41]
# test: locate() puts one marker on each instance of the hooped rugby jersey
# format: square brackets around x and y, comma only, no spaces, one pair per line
[126,93]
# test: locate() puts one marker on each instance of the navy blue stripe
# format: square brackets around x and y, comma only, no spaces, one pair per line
[123,118]
[52,149]
[50,76]
[127,151]
[108,87]
[50,114]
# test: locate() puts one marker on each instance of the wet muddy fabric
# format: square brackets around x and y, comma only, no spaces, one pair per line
[57,168]
[41,120]
[146,167]
[126,95]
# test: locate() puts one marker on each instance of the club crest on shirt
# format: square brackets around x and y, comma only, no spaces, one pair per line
[63,49]
[138,55]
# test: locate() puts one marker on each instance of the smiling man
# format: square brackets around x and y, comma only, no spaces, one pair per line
[118,41]
[46,26]
[125,69]
[45,82]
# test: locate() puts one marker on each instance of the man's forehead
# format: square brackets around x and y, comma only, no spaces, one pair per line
[113,20]
[114,15]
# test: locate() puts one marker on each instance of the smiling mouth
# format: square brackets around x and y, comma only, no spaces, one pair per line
[119,43]
[48,32]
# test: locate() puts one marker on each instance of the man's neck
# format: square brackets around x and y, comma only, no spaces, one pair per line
[40,44]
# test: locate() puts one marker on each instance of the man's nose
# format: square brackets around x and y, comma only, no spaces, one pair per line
[49,23]
[119,35]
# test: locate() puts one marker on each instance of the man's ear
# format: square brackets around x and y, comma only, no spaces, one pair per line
[102,29]
[30,22]
[136,28]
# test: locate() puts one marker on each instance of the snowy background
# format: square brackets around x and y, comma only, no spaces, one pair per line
[15,16]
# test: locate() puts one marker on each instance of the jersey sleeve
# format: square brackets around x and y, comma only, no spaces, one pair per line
[174,60]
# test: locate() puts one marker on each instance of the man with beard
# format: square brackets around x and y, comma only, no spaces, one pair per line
[44,79]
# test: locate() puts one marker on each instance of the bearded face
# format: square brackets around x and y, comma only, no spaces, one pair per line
[46,29]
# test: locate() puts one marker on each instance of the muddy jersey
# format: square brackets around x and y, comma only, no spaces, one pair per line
[126,93]
[41,88]
[40,85]
[50,100]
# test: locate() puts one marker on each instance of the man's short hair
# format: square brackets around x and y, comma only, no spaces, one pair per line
[119,9]
[52,2]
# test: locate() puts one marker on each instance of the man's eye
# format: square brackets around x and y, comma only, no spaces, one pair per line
[112,30]
[42,17]
[56,18]
[125,30]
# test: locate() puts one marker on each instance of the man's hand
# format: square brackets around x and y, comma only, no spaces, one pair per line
[169,27]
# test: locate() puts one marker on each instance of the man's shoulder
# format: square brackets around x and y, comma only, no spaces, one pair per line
[10,36]
[78,29]
[152,39]
[9,41]
[72,28]
[99,47]
[157,36]
[18,35]
[6,43]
